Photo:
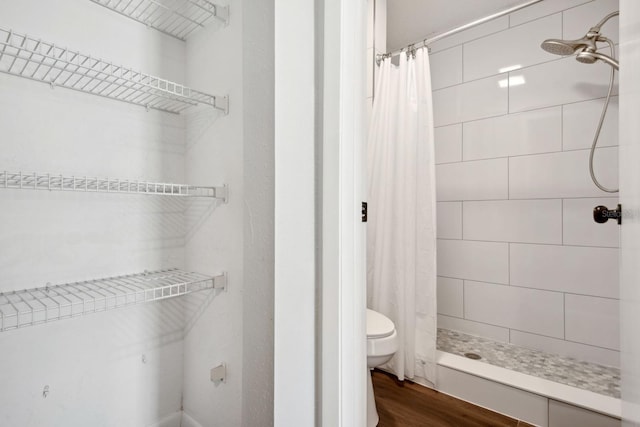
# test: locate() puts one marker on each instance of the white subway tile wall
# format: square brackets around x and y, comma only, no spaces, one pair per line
[446,68]
[592,320]
[478,180]
[580,120]
[466,259]
[531,132]
[575,19]
[474,33]
[562,175]
[448,143]
[534,221]
[571,269]
[495,333]
[542,9]
[450,297]
[559,81]
[512,49]
[602,356]
[523,309]
[520,258]
[473,100]
[449,221]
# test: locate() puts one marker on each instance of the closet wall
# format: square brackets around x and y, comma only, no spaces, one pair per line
[141,365]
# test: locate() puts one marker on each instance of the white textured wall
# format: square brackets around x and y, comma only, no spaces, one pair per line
[519,258]
[215,231]
[93,365]
[259,169]
[295,269]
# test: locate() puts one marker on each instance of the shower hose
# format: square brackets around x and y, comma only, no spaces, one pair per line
[602,115]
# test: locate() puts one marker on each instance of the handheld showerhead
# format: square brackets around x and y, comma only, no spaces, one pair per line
[561,47]
[586,49]
[569,47]
[586,57]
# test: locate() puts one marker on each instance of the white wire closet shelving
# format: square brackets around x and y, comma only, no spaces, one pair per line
[51,182]
[31,307]
[35,59]
[177,18]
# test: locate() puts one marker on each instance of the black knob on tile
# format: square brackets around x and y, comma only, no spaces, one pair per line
[602,214]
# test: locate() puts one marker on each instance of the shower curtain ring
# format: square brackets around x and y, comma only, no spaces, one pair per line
[411,51]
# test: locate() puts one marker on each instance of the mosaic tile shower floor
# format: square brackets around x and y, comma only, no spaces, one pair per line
[587,376]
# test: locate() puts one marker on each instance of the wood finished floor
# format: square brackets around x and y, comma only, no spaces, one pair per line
[405,404]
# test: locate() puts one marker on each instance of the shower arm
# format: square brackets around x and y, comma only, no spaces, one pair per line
[595,33]
[596,29]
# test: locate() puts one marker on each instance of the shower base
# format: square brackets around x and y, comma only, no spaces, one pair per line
[599,379]
[526,384]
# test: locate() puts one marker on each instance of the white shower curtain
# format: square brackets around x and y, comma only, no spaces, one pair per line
[401,232]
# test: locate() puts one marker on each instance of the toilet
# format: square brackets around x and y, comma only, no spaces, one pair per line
[382,343]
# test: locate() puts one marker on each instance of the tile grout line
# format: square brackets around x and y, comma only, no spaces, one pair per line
[464,307]
[562,128]
[560,245]
[533,289]
[508,178]
[564,316]
[461,220]
[543,153]
[537,334]
[510,27]
[508,93]
[528,110]
[462,62]
[562,221]
[509,263]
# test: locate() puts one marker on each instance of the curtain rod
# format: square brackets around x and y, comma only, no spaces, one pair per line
[426,42]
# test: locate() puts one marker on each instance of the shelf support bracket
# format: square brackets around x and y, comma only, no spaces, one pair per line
[219,374]
[220,282]
[221,103]
[222,193]
[222,13]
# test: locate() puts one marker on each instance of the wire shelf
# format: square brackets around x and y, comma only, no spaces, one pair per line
[25,56]
[41,305]
[40,181]
[177,18]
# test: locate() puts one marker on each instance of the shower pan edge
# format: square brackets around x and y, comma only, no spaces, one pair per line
[605,405]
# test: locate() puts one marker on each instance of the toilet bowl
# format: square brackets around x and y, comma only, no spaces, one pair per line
[382,343]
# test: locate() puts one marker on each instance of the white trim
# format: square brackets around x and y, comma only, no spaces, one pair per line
[629,141]
[343,271]
[294,240]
